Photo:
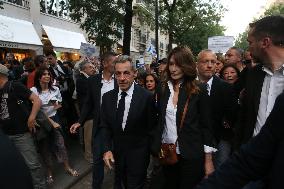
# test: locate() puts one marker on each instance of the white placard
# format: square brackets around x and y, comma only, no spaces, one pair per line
[88,50]
[220,44]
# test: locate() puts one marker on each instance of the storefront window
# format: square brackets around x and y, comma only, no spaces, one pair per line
[57,8]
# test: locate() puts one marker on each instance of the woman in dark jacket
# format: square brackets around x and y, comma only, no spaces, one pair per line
[194,137]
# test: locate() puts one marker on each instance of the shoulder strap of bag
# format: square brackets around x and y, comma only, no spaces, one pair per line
[184,112]
[183,115]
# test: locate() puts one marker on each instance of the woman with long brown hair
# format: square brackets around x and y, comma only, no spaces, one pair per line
[184,120]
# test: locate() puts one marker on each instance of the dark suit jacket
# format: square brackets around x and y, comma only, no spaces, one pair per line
[197,130]
[66,75]
[261,157]
[92,103]
[81,89]
[139,125]
[224,107]
[250,103]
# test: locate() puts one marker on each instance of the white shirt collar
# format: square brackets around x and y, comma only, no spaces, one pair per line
[268,71]
[129,91]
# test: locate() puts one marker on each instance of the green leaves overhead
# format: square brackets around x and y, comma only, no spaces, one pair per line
[192,21]
[102,20]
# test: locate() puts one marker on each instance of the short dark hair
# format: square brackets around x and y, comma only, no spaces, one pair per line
[125,58]
[39,60]
[163,61]
[52,53]
[239,51]
[270,26]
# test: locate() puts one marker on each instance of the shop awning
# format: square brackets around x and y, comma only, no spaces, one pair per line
[63,40]
[16,33]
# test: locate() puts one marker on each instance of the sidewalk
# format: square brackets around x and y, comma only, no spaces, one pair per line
[62,180]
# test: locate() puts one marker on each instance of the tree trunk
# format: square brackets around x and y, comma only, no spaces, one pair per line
[127,27]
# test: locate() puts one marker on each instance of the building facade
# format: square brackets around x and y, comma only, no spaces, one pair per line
[143,35]
[33,26]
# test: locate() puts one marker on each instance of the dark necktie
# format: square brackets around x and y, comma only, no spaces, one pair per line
[120,109]
[208,89]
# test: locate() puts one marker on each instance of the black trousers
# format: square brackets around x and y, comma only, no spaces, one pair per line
[185,174]
[131,169]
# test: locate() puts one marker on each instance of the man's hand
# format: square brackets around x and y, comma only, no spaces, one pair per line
[31,124]
[74,127]
[108,159]
[209,167]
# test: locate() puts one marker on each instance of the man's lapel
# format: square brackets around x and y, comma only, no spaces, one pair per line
[259,79]
[134,106]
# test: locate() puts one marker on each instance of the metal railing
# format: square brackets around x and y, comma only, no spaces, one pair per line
[22,3]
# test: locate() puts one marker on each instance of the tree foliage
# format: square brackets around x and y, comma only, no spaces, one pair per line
[191,22]
[102,20]
[275,9]
[1,5]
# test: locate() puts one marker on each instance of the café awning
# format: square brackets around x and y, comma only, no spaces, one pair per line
[64,40]
[16,33]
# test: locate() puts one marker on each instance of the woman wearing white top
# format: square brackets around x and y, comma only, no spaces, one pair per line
[51,99]
[194,139]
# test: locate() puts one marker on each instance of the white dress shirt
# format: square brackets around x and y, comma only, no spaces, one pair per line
[56,70]
[128,99]
[107,85]
[209,85]
[170,129]
[273,85]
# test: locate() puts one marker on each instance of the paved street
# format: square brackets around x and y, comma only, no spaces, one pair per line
[86,182]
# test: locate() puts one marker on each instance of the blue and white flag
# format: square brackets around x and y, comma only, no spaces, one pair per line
[151,49]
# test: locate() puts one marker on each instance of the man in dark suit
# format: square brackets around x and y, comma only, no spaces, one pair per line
[265,81]
[63,79]
[127,123]
[87,70]
[223,104]
[261,157]
[97,86]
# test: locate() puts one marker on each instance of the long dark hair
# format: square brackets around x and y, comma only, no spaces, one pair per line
[155,79]
[185,60]
[38,74]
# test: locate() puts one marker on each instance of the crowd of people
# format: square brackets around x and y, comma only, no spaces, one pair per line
[204,121]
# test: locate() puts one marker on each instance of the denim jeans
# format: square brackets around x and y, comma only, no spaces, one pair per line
[25,144]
